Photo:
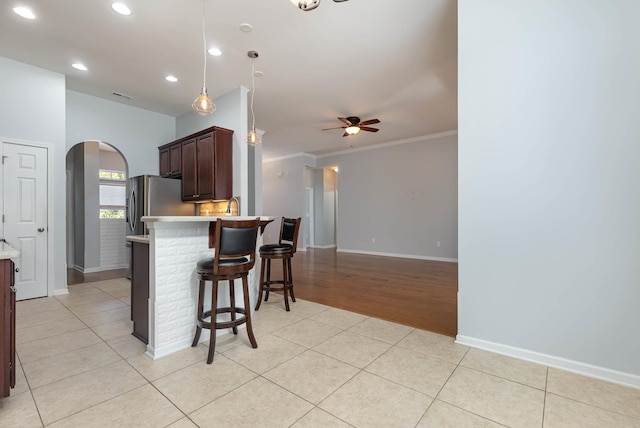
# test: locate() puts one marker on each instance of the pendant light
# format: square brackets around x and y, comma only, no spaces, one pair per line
[203,104]
[253,138]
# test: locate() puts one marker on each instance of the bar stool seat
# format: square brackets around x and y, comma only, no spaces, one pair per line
[284,250]
[234,257]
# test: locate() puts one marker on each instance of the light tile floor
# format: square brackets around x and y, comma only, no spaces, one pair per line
[315,366]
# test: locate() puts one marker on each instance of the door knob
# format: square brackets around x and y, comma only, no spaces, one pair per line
[41,229]
[17,269]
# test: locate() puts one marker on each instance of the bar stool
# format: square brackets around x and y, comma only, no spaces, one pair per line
[284,249]
[234,257]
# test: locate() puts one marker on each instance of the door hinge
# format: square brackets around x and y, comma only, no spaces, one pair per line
[3,218]
[3,158]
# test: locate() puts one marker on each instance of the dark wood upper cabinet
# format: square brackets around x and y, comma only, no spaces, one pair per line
[206,164]
[171,160]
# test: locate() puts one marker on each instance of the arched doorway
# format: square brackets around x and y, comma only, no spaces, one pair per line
[96,182]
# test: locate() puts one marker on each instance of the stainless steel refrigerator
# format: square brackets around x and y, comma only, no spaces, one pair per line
[150,195]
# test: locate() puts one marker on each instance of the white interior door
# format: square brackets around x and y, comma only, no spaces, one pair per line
[25,215]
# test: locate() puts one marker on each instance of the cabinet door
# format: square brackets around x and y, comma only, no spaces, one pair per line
[206,166]
[175,160]
[189,171]
[5,327]
[165,167]
[223,168]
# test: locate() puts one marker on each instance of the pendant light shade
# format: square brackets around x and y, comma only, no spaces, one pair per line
[253,138]
[203,104]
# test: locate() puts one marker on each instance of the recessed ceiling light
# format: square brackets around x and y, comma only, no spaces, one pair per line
[215,51]
[171,78]
[121,8]
[246,27]
[258,73]
[24,12]
[79,66]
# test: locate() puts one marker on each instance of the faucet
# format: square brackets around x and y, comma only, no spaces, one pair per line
[233,198]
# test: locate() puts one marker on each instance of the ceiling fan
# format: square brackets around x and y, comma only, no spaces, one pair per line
[353,125]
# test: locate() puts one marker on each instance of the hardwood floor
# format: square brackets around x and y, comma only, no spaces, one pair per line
[417,293]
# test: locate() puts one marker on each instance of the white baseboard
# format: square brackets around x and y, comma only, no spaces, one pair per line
[614,376]
[403,256]
[323,247]
[60,291]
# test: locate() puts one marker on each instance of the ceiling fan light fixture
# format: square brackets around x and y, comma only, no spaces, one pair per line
[352,130]
[305,5]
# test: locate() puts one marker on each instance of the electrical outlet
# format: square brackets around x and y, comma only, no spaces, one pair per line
[437,243]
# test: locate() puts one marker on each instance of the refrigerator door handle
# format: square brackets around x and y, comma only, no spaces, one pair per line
[133,220]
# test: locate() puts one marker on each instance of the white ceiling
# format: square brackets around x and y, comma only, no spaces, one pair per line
[395,60]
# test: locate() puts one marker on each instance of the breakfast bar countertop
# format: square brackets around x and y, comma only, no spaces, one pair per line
[188,218]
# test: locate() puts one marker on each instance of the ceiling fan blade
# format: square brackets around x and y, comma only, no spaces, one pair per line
[344,120]
[369,122]
[345,135]
[366,128]
[337,127]
[339,1]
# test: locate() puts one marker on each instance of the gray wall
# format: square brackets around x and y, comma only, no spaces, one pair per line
[549,182]
[283,192]
[22,87]
[403,196]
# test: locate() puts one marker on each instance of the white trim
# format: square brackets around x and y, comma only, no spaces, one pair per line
[371,147]
[322,247]
[61,291]
[402,256]
[614,376]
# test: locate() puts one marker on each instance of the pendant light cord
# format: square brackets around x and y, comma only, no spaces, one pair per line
[204,45]
[253,91]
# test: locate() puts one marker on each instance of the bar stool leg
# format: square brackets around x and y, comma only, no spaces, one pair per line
[267,284]
[196,339]
[261,286]
[232,299]
[247,305]
[214,317]
[293,297]
[285,283]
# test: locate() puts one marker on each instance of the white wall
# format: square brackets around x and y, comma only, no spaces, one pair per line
[136,133]
[549,182]
[402,195]
[32,110]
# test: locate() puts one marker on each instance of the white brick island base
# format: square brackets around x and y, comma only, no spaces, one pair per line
[176,244]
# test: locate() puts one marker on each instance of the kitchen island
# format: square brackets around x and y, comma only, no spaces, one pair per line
[176,244]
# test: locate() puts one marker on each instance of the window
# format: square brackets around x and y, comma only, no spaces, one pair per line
[113,188]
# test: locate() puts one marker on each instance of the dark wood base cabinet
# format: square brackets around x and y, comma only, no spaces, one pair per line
[140,290]
[7,327]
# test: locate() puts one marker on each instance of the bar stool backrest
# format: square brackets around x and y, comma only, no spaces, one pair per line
[235,245]
[289,232]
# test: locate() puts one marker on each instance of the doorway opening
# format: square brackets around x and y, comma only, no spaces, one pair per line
[96,182]
[321,207]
